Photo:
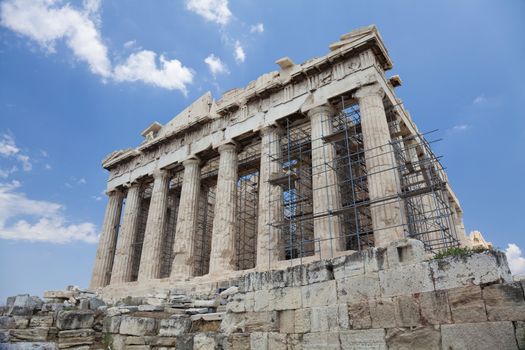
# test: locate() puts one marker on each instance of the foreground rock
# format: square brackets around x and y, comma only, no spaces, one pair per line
[333,305]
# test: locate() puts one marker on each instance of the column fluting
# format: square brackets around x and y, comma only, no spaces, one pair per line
[222,255]
[123,263]
[108,241]
[150,259]
[270,209]
[184,246]
[325,190]
[382,178]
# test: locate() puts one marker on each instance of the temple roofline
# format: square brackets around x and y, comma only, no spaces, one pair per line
[206,109]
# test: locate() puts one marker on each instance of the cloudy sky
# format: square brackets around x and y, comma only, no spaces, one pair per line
[79,79]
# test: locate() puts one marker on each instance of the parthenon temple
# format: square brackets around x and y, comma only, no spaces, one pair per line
[311,161]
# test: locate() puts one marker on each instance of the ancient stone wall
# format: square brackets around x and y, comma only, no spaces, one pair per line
[381,298]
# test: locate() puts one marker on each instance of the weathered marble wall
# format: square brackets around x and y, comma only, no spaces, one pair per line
[382,298]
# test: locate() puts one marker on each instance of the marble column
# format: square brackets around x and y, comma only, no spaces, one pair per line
[325,189]
[270,209]
[382,176]
[457,221]
[108,241]
[123,263]
[184,247]
[151,257]
[222,255]
[426,205]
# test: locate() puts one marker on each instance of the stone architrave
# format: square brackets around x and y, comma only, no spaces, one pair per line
[150,259]
[270,209]
[108,241]
[325,190]
[224,221]
[382,178]
[123,263]
[183,250]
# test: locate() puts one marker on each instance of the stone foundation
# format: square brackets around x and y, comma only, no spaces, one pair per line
[382,298]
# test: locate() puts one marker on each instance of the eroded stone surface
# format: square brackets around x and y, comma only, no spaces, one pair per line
[418,338]
[307,316]
[362,339]
[467,304]
[174,326]
[382,312]
[475,336]
[435,308]
[406,279]
[482,268]
[75,319]
[504,302]
[138,326]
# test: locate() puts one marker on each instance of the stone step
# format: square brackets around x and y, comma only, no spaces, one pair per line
[214,316]
[200,310]
[150,308]
[206,303]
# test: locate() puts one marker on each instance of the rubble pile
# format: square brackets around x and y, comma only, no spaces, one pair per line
[77,319]
[393,298]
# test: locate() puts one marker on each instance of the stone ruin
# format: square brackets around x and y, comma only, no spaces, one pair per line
[304,211]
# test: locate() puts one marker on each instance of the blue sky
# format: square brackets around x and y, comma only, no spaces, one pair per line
[80,79]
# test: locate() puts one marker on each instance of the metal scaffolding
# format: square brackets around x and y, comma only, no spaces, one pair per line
[423,201]
[204,229]
[246,232]
[172,212]
[246,210]
[296,228]
[139,235]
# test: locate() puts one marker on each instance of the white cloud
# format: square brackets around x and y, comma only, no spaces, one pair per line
[46,23]
[142,66]
[460,127]
[211,10]
[515,259]
[215,65]
[73,181]
[26,164]
[47,166]
[239,54]
[8,146]
[4,173]
[9,149]
[479,99]
[49,21]
[129,44]
[92,6]
[257,28]
[22,218]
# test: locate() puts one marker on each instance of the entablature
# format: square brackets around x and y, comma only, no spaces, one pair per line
[356,60]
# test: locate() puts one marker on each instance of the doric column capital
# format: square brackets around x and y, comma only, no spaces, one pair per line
[270,129]
[133,184]
[324,109]
[370,90]
[193,160]
[161,174]
[230,146]
[114,192]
